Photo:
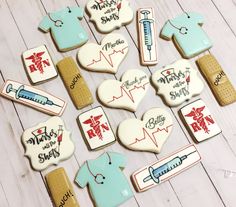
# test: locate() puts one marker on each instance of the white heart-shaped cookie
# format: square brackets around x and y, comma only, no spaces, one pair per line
[148,134]
[177,82]
[126,93]
[105,57]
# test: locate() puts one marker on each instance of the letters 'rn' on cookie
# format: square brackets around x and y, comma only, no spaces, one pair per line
[74,82]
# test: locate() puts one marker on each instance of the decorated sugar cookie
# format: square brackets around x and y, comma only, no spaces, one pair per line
[148,134]
[66,30]
[105,57]
[107,184]
[127,93]
[47,143]
[33,97]
[199,121]
[109,14]
[96,128]
[38,64]
[166,168]
[186,31]
[147,36]
[177,82]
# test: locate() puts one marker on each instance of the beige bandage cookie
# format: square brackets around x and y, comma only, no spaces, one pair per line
[217,80]
[61,189]
[74,82]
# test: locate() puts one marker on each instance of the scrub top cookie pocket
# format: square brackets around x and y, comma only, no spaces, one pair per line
[187,34]
[65,28]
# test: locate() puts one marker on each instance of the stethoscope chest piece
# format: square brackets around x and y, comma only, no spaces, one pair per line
[58,23]
[183,30]
[99,178]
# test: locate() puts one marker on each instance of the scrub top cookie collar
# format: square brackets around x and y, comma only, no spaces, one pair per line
[58,22]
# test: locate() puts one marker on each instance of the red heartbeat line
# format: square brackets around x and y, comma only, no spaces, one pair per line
[153,139]
[109,59]
[128,93]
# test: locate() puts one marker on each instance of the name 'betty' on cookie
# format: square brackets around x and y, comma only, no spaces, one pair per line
[109,14]
[127,93]
[177,82]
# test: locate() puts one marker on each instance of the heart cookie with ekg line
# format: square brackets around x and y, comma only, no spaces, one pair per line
[127,93]
[105,57]
[148,134]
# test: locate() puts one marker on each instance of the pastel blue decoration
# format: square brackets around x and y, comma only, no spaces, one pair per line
[187,33]
[108,186]
[65,28]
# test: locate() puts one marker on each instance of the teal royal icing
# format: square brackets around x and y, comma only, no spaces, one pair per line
[108,186]
[65,28]
[187,32]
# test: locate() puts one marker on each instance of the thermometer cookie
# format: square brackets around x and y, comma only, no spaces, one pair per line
[161,171]
[33,97]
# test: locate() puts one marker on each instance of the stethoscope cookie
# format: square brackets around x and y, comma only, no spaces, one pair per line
[66,30]
[38,64]
[147,36]
[96,128]
[148,134]
[47,143]
[161,171]
[109,14]
[199,121]
[185,30]
[177,82]
[127,93]
[35,98]
[105,57]
[108,185]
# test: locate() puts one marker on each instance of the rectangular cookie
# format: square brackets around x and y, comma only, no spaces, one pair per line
[35,98]
[217,80]
[74,83]
[147,36]
[166,168]
[61,189]
[199,121]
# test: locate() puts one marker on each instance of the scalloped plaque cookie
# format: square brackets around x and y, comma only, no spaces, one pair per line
[109,14]
[48,143]
[148,134]
[105,57]
[177,82]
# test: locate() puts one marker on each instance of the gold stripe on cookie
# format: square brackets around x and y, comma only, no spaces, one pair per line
[61,189]
[74,82]
[217,80]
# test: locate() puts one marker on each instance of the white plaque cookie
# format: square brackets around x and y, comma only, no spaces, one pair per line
[166,168]
[105,57]
[47,143]
[127,93]
[33,97]
[199,120]
[109,14]
[148,134]
[96,128]
[177,82]
[38,64]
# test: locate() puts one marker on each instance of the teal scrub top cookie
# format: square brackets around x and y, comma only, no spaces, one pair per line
[187,33]
[108,186]
[65,28]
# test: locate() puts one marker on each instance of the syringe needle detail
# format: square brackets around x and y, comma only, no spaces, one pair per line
[33,97]
[147,34]
[168,167]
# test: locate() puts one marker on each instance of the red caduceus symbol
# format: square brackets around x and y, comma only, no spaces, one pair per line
[197,115]
[36,58]
[95,124]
